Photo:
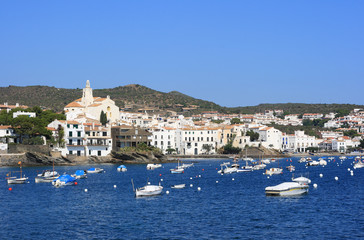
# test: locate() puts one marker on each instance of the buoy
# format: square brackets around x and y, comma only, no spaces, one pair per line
[203,169]
[191,178]
[86,190]
[160,174]
[148,183]
[351,173]
[348,169]
[191,185]
[222,174]
[76,183]
[233,179]
[217,181]
[321,175]
[199,175]
[199,189]
[10,189]
[167,192]
[216,168]
[114,186]
[268,177]
[336,178]
[315,185]
[161,179]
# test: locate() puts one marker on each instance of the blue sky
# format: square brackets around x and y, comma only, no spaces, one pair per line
[234,53]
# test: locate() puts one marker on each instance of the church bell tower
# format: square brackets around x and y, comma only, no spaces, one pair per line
[87,97]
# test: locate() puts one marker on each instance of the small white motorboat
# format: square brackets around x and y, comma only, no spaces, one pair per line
[323,162]
[302,160]
[122,168]
[359,163]
[259,166]
[152,166]
[273,171]
[265,161]
[287,189]
[291,168]
[177,170]
[313,163]
[225,169]
[148,190]
[179,186]
[95,170]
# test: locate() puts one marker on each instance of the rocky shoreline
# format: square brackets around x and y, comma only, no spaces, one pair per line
[41,159]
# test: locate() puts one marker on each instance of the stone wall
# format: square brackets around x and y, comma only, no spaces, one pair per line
[20,148]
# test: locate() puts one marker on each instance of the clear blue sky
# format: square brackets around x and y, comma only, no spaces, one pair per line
[234,53]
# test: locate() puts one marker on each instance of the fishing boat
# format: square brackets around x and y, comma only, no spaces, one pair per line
[15,180]
[273,171]
[266,161]
[148,190]
[313,163]
[187,165]
[178,169]
[342,158]
[64,180]
[95,170]
[47,176]
[302,160]
[246,168]
[322,162]
[152,166]
[80,174]
[122,168]
[179,186]
[287,189]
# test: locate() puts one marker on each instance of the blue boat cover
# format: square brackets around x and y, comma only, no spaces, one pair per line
[80,172]
[65,178]
[121,166]
[92,169]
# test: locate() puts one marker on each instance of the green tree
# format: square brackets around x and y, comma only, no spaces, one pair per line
[351,133]
[342,113]
[103,118]
[170,150]
[207,147]
[235,121]
[229,149]
[361,143]
[253,135]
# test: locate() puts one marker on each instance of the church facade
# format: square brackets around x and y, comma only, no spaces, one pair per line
[92,106]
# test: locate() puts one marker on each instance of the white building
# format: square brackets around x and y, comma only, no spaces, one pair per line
[93,106]
[193,140]
[7,134]
[21,113]
[167,138]
[298,142]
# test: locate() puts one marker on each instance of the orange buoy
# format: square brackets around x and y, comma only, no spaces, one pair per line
[10,189]
[75,183]
[160,174]
[203,169]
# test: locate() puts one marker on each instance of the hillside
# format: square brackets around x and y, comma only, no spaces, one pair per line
[135,96]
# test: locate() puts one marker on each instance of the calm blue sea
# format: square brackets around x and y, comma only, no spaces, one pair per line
[234,208]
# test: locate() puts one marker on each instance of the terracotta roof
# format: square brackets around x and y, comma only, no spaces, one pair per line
[51,129]
[95,105]
[74,104]
[72,122]
[5,127]
[100,99]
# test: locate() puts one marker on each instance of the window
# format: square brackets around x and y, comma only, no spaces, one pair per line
[70,133]
[195,144]
[78,134]
[75,126]
[169,143]
[162,143]
[212,139]
[104,134]
[155,137]
[207,138]
[70,152]
[155,143]
[70,142]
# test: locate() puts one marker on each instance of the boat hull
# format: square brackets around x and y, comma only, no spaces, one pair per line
[149,190]
[287,189]
[45,179]
[17,180]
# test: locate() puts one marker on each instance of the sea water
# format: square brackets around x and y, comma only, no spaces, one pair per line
[232,206]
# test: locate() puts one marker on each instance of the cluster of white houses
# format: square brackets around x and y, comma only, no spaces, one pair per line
[82,133]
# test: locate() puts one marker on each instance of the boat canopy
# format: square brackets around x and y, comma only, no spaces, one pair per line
[92,169]
[65,178]
[80,172]
[122,166]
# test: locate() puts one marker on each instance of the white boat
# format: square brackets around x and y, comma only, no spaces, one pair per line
[323,162]
[313,163]
[46,176]
[359,163]
[259,166]
[152,166]
[302,180]
[95,170]
[225,169]
[16,180]
[179,186]
[342,158]
[302,160]
[178,169]
[274,171]
[265,161]
[64,180]
[122,168]
[246,168]
[148,190]
[187,165]
[287,189]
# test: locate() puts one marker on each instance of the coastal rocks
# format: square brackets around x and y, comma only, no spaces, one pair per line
[137,157]
[31,159]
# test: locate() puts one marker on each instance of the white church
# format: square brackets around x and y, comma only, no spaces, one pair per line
[92,107]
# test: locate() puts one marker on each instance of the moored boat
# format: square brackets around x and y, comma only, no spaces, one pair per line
[287,189]
[95,170]
[152,166]
[122,168]
[80,174]
[64,180]
[148,190]
[274,171]
[179,186]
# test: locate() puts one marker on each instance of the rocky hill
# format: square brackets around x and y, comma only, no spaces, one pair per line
[136,96]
